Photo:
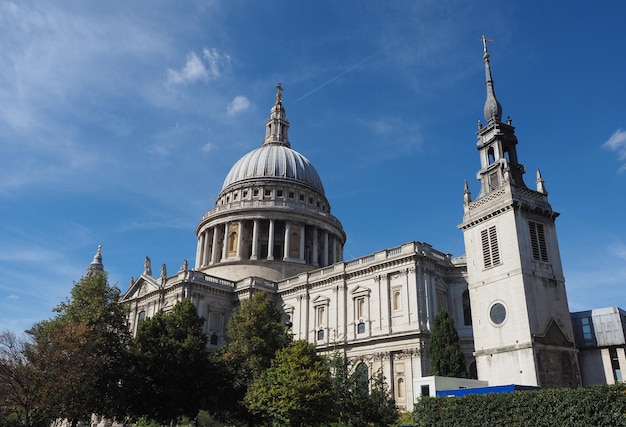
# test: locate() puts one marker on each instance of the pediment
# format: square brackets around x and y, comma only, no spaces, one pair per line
[553,335]
[320,300]
[217,307]
[140,287]
[361,291]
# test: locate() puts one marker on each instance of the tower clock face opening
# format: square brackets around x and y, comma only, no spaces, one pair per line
[497,313]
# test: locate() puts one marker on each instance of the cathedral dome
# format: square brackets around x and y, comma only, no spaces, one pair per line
[274,161]
[271,219]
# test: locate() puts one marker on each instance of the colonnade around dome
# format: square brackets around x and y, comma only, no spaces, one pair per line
[268,239]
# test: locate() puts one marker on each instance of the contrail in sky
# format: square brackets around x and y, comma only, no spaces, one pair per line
[347,70]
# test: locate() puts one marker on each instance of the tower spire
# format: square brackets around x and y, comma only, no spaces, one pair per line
[277,125]
[493,109]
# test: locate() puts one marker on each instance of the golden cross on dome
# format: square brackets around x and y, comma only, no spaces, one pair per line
[279,95]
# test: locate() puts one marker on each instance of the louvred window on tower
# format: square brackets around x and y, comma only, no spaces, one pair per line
[538,241]
[491,251]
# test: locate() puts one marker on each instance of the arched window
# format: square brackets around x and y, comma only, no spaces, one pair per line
[397,301]
[321,316]
[467,309]
[361,374]
[492,156]
[360,305]
[400,391]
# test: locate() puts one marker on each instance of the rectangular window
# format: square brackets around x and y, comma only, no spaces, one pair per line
[279,193]
[585,323]
[538,241]
[268,193]
[491,251]
[360,329]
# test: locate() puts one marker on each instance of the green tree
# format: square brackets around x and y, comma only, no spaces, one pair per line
[256,331]
[361,400]
[19,382]
[81,352]
[446,357]
[296,390]
[382,408]
[171,368]
[64,356]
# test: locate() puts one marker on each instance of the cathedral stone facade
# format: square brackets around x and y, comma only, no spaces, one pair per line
[271,229]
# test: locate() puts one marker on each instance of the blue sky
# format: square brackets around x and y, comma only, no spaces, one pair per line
[120,120]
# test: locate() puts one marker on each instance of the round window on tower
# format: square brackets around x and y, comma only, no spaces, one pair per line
[497,313]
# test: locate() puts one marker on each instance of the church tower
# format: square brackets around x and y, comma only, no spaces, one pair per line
[520,315]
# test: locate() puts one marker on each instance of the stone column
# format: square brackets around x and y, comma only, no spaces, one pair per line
[325,254]
[200,250]
[214,246]
[334,249]
[205,250]
[255,239]
[287,245]
[270,241]
[315,259]
[225,243]
[302,242]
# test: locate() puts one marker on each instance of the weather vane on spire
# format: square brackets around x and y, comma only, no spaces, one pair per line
[279,95]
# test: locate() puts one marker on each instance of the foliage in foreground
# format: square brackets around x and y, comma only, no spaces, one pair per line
[78,356]
[446,357]
[601,405]
[170,369]
[256,331]
[295,390]
[361,400]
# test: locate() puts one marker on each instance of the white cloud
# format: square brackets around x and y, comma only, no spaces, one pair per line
[238,105]
[619,250]
[193,71]
[207,147]
[217,62]
[617,142]
[209,67]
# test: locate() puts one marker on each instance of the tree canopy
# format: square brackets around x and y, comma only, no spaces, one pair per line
[361,400]
[170,365]
[446,357]
[295,390]
[256,331]
[19,384]
[79,354]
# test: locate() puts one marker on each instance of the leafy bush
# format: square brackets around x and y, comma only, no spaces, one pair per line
[602,405]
